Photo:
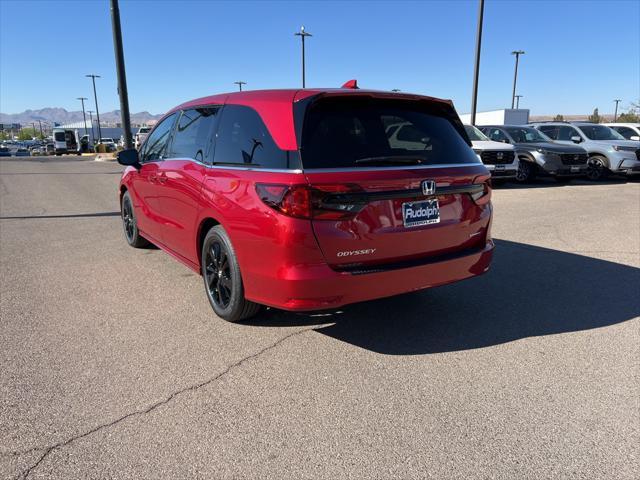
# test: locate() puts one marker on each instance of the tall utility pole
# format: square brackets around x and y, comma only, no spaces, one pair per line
[122,76]
[95,96]
[240,83]
[615,115]
[84,117]
[302,34]
[40,123]
[476,69]
[517,53]
[518,97]
[93,137]
[33,125]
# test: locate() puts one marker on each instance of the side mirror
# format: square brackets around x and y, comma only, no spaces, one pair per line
[129,158]
[576,139]
[635,137]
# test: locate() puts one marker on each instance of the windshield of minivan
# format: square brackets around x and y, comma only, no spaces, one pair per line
[526,135]
[360,132]
[600,132]
[475,135]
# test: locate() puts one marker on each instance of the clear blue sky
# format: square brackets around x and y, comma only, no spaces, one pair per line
[579,54]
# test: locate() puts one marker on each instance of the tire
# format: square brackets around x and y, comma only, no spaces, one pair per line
[222,279]
[597,168]
[526,171]
[129,223]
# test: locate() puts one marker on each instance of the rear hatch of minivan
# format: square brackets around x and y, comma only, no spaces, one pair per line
[393,180]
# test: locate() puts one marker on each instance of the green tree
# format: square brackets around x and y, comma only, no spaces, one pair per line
[629,117]
[558,118]
[595,117]
[28,134]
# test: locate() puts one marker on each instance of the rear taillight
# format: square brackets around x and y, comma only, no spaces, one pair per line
[483,197]
[320,202]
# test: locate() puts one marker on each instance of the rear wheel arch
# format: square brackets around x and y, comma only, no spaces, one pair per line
[206,224]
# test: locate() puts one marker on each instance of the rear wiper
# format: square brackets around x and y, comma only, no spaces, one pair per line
[393,160]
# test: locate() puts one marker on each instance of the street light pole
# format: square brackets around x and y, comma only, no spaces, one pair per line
[122,75]
[615,115]
[476,68]
[93,137]
[95,96]
[84,117]
[518,97]
[240,83]
[517,53]
[302,34]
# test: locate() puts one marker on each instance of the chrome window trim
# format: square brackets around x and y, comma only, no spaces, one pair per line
[231,167]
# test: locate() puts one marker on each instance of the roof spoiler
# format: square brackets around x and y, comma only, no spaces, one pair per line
[352,84]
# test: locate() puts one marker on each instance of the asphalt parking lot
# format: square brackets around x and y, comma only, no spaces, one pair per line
[114,366]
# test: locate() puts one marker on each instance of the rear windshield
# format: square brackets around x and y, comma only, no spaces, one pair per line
[364,132]
[59,136]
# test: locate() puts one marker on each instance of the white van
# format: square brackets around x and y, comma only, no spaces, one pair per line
[65,141]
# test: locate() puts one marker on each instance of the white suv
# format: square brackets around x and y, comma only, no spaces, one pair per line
[630,131]
[608,150]
[499,158]
[140,136]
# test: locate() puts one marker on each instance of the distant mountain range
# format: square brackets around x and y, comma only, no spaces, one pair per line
[51,115]
[62,116]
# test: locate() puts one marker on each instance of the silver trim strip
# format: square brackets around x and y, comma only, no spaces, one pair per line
[375,169]
[327,170]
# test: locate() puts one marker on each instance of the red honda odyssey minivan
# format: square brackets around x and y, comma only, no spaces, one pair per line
[310,199]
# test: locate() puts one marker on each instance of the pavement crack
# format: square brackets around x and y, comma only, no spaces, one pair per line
[192,388]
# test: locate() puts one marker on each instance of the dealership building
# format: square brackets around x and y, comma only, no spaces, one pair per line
[507,116]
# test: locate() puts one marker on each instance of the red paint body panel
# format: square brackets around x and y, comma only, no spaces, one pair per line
[292,263]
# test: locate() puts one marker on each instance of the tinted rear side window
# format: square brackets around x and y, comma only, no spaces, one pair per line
[565,133]
[343,132]
[244,139]
[193,134]
[550,131]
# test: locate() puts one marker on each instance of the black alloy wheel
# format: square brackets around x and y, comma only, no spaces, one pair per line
[596,168]
[218,275]
[129,224]
[222,278]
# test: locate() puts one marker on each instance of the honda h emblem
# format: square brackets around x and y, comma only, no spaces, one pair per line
[428,187]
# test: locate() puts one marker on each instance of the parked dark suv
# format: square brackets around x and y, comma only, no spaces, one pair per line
[539,154]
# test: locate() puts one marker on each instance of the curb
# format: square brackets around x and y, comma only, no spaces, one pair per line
[102,157]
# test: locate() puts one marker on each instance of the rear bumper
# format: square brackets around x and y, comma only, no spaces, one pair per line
[319,287]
